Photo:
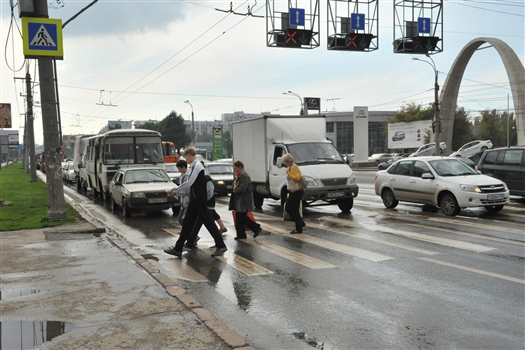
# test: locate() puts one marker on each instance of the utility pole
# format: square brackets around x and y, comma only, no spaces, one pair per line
[52,143]
[29,130]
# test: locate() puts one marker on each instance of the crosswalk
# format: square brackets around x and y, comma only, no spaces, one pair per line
[428,237]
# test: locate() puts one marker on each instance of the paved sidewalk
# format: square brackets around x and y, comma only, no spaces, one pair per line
[102,293]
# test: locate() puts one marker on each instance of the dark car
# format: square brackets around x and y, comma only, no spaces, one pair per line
[398,136]
[222,176]
[385,165]
[507,165]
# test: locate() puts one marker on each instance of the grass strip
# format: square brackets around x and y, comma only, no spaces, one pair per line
[29,201]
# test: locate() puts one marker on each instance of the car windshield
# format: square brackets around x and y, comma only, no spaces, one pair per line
[220,169]
[145,176]
[451,167]
[172,168]
[314,152]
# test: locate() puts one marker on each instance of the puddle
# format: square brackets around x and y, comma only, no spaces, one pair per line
[28,334]
[16,293]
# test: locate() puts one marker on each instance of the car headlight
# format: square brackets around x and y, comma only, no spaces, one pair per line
[352,179]
[470,188]
[137,195]
[311,181]
[220,183]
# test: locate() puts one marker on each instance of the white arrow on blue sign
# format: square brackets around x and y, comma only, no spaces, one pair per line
[296,17]
[423,25]
[357,21]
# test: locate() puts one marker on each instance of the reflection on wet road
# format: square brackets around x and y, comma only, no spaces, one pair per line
[372,278]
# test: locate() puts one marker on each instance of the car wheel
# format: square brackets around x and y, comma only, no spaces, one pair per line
[493,208]
[388,199]
[346,204]
[126,210]
[114,206]
[380,167]
[258,200]
[449,205]
[484,148]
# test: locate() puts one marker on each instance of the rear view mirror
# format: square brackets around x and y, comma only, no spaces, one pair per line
[427,176]
[279,162]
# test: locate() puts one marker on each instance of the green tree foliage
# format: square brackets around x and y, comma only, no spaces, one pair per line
[462,133]
[412,112]
[172,129]
[492,125]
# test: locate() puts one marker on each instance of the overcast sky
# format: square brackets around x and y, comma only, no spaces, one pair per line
[146,57]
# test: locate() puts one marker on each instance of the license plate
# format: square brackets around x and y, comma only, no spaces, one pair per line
[335,194]
[495,197]
[157,200]
[229,187]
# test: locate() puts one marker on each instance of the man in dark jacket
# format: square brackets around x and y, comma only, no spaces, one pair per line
[197,207]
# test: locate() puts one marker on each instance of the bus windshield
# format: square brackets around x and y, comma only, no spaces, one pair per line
[149,149]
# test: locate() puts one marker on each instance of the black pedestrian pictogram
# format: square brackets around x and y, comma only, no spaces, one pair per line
[42,38]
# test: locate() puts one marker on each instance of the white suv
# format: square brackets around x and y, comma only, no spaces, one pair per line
[445,182]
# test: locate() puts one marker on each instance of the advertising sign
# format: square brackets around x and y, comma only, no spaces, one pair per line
[408,135]
[119,124]
[12,138]
[360,133]
[5,119]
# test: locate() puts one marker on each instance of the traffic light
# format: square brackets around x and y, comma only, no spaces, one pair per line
[295,37]
[424,44]
[358,42]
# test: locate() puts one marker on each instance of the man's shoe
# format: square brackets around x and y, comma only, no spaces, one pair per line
[295,231]
[219,251]
[172,251]
[237,238]
[258,232]
[188,247]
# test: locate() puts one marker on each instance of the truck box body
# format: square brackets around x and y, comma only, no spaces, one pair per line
[259,142]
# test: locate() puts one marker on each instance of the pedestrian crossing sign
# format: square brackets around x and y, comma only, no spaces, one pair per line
[42,37]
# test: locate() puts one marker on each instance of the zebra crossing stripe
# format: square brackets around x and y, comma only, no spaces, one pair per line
[481,272]
[289,254]
[370,238]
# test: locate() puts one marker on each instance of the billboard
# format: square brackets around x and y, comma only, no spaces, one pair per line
[13,139]
[5,118]
[119,124]
[408,135]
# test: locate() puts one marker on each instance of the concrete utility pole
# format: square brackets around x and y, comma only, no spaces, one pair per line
[29,129]
[437,120]
[52,143]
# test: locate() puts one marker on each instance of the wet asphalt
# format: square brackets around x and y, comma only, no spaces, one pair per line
[77,287]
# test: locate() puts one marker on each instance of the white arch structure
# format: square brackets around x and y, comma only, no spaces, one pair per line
[449,93]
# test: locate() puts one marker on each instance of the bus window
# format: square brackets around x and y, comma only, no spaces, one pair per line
[118,150]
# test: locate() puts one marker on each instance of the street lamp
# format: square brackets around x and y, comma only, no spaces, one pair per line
[303,110]
[437,121]
[192,124]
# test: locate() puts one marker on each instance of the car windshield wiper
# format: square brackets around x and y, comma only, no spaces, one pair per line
[469,173]
[448,174]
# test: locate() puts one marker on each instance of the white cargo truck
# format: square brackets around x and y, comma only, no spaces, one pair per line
[261,142]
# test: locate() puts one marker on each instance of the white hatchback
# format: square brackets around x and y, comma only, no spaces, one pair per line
[441,181]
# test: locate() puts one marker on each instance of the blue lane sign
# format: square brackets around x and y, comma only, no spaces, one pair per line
[357,21]
[423,25]
[296,17]
[42,37]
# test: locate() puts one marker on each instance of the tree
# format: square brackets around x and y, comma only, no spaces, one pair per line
[462,129]
[172,129]
[412,112]
[493,126]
